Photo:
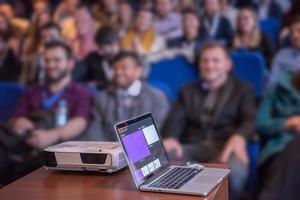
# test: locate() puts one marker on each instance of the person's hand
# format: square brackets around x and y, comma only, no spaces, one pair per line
[42,138]
[172,144]
[293,124]
[21,125]
[236,145]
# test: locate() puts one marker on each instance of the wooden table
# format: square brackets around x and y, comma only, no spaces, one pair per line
[55,185]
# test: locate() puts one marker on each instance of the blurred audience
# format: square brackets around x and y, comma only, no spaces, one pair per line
[33,63]
[9,63]
[143,38]
[96,68]
[83,44]
[167,21]
[125,98]
[213,117]
[248,36]
[269,9]
[229,12]
[215,26]
[105,12]
[191,26]
[64,15]
[278,122]
[124,19]
[289,57]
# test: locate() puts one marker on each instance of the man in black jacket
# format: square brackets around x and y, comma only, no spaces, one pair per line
[96,68]
[215,26]
[213,117]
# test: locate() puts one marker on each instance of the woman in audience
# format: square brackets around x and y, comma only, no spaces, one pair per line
[124,19]
[191,26]
[248,36]
[278,122]
[32,44]
[9,63]
[105,12]
[142,38]
[84,41]
[14,42]
[64,15]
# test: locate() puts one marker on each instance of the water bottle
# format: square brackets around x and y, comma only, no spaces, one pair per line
[61,113]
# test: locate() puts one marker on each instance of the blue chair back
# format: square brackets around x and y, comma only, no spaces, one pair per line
[271,27]
[251,67]
[10,94]
[170,74]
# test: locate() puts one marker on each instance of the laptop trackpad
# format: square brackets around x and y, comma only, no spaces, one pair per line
[206,180]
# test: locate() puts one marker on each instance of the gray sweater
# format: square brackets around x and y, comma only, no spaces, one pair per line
[109,108]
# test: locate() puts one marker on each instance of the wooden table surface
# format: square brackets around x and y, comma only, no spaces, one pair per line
[44,184]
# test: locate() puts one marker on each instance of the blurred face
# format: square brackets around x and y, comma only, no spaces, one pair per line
[143,21]
[211,7]
[43,18]
[7,10]
[163,7]
[125,13]
[109,4]
[57,65]
[191,23]
[126,72]
[3,24]
[83,22]
[246,21]
[295,35]
[214,65]
[50,34]
[71,4]
[40,6]
[108,50]
[3,46]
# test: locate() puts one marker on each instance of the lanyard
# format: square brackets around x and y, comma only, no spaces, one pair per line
[48,102]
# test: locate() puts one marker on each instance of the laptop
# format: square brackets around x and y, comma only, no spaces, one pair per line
[150,167]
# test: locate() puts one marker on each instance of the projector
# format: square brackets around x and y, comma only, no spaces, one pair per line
[105,157]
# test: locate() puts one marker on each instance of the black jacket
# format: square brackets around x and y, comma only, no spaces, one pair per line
[10,67]
[234,113]
[91,70]
[224,32]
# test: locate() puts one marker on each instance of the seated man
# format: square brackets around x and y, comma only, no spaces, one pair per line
[167,22]
[95,68]
[215,26]
[127,97]
[66,103]
[213,117]
[278,121]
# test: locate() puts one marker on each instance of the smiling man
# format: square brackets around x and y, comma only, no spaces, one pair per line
[127,97]
[213,117]
[44,102]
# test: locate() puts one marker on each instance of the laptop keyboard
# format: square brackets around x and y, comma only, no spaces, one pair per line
[175,178]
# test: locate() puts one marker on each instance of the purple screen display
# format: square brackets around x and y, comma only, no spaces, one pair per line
[136,146]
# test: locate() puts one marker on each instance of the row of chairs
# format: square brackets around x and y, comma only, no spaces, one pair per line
[168,75]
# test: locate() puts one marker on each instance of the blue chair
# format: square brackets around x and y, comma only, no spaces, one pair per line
[271,27]
[170,74]
[251,67]
[10,94]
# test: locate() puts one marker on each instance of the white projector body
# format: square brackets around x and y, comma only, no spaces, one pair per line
[85,156]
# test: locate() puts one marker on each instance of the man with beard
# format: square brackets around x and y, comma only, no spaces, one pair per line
[125,98]
[67,103]
[95,69]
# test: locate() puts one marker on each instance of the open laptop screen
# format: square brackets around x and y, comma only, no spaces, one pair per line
[143,147]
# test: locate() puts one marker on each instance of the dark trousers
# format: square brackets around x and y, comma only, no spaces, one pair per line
[280,175]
